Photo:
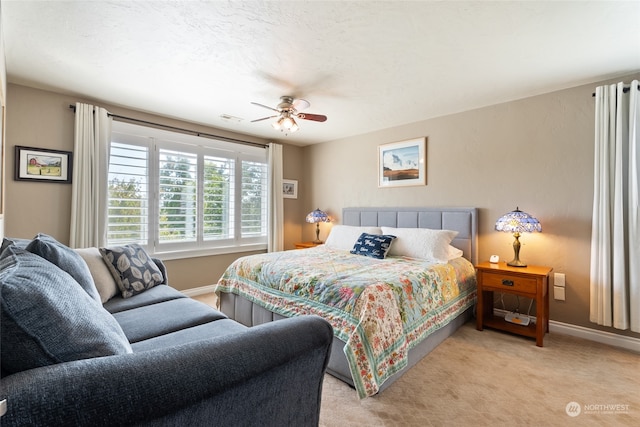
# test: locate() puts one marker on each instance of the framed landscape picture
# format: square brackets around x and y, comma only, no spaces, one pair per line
[38,164]
[402,163]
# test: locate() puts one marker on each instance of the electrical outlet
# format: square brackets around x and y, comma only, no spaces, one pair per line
[558,279]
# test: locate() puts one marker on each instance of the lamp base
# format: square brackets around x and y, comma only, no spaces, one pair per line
[516,263]
[318,242]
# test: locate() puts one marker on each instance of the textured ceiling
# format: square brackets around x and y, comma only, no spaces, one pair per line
[366,65]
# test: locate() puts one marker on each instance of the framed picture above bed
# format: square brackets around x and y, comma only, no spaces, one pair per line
[402,163]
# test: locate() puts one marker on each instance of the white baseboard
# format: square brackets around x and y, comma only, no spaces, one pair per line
[603,337]
[199,291]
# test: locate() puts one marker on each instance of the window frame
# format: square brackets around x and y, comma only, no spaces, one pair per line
[154,140]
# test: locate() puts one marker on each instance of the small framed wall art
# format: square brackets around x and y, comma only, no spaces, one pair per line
[43,165]
[402,163]
[290,188]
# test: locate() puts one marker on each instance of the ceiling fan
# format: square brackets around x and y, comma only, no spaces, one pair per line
[288,110]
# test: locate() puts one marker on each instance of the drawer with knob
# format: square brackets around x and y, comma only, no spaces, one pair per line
[499,282]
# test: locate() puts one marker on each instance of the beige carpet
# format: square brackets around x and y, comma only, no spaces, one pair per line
[491,378]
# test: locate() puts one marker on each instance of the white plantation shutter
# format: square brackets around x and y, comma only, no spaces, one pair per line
[254,199]
[180,193]
[177,196]
[128,201]
[218,198]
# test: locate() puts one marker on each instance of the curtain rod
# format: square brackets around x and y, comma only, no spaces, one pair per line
[624,90]
[189,131]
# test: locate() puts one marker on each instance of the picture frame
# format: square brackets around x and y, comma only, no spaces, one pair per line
[290,188]
[403,163]
[43,165]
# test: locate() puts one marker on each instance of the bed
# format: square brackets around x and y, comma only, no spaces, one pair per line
[387,313]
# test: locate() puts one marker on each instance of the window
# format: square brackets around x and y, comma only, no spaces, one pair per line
[177,193]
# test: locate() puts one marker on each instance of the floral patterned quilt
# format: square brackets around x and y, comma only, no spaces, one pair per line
[381,308]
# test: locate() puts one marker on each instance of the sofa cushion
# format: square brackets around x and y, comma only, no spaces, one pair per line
[66,259]
[163,318]
[48,318]
[102,277]
[132,268]
[208,330]
[152,296]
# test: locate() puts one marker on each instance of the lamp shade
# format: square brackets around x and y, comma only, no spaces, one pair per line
[517,222]
[317,216]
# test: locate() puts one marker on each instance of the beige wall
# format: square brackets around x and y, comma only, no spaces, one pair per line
[37,118]
[536,153]
[293,208]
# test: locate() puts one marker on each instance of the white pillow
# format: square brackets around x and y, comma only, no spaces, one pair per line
[345,236]
[454,253]
[102,277]
[422,243]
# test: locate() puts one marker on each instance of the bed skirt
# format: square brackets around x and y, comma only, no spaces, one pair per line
[250,314]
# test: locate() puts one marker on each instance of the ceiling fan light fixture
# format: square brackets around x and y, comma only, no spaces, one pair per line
[287,122]
[277,125]
[287,111]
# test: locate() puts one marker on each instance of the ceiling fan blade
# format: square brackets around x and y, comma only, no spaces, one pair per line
[314,117]
[300,104]
[264,106]
[264,118]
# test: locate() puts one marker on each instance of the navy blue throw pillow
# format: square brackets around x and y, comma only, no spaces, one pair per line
[373,245]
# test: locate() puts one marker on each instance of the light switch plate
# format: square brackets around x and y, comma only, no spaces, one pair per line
[558,279]
[558,293]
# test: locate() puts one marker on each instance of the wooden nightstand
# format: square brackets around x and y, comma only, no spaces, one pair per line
[530,282]
[305,245]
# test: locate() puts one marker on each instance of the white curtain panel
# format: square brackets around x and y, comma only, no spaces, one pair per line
[615,235]
[276,200]
[90,176]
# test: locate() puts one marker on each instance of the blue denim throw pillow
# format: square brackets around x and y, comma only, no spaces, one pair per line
[66,259]
[373,245]
[47,318]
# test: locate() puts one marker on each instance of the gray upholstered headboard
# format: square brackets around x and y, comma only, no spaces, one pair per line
[462,220]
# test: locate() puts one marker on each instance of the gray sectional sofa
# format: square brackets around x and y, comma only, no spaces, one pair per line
[75,352]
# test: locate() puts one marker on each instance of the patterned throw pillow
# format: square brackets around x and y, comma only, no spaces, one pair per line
[132,268]
[373,245]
